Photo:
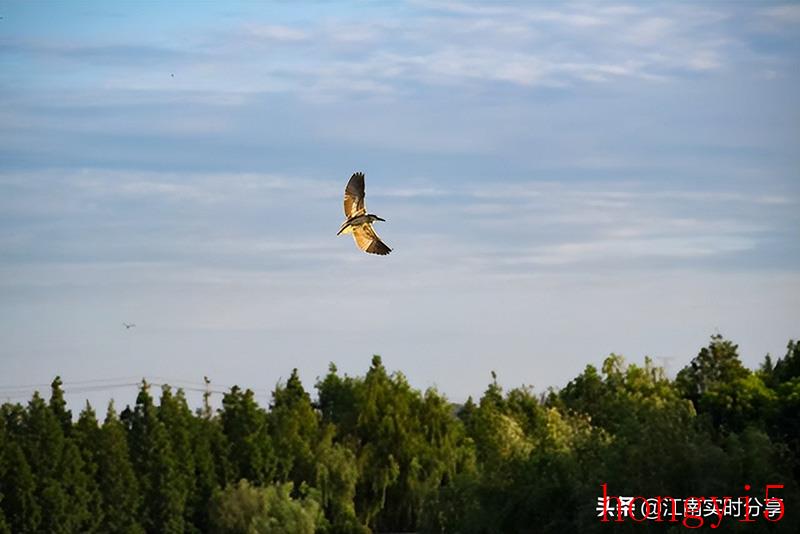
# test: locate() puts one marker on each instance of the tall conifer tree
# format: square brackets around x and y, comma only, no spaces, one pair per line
[116,479]
[176,417]
[22,508]
[294,428]
[159,478]
[245,425]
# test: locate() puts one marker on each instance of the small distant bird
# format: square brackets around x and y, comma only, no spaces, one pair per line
[128,326]
[172,75]
[359,222]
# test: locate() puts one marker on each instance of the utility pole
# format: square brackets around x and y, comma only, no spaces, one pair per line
[206,398]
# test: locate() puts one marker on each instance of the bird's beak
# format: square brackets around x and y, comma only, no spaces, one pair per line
[379,219]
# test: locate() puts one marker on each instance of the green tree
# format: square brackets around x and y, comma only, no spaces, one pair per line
[245,509]
[718,363]
[497,435]
[59,406]
[174,413]
[379,434]
[4,528]
[405,444]
[22,509]
[788,367]
[160,483]
[10,423]
[42,440]
[209,450]
[77,487]
[294,430]
[245,426]
[44,446]
[116,479]
[86,436]
[337,400]
[785,380]
[4,438]
[722,389]
[733,406]
[336,477]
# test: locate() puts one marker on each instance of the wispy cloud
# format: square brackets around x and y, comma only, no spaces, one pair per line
[783,14]
[446,43]
[273,32]
[620,251]
[108,53]
[537,223]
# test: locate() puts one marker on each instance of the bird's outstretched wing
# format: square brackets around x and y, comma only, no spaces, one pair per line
[368,241]
[354,196]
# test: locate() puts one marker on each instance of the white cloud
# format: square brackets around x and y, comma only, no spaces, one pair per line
[273,32]
[411,192]
[449,44]
[650,31]
[704,60]
[620,251]
[783,14]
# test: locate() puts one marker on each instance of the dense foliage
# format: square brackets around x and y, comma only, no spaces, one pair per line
[372,453]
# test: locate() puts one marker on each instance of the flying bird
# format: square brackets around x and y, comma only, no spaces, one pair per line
[128,326]
[359,222]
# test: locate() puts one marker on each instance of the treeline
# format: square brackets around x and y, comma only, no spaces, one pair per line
[371,453]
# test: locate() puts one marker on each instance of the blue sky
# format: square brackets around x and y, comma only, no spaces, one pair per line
[560,180]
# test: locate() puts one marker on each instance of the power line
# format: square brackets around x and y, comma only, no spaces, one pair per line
[72,382]
[91,386]
[138,378]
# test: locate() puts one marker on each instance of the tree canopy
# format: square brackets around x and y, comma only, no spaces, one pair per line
[373,454]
